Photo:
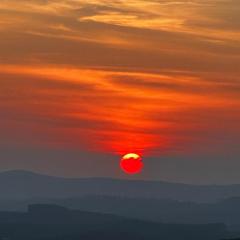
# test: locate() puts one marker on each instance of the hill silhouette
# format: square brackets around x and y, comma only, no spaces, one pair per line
[161,210]
[18,185]
[51,222]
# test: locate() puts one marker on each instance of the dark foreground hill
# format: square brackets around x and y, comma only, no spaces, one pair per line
[158,210]
[155,210]
[17,185]
[50,222]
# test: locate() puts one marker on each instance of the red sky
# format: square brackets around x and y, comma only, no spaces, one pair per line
[160,78]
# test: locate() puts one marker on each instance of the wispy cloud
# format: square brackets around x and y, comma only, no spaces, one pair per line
[115,111]
[118,75]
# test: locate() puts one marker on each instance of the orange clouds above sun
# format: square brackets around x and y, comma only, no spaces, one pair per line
[139,76]
[113,111]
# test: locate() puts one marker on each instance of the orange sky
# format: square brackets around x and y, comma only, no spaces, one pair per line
[154,77]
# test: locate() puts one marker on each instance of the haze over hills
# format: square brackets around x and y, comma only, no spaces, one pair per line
[20,185]
[159,202]
[113,206]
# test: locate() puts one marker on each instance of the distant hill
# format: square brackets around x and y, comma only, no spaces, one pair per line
[17,185]
[159,210]
[51,222]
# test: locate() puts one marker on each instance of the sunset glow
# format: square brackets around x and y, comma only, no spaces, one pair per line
[158,78]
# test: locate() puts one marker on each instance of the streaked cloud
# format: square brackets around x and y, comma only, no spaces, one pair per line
[153,76]
[115,111]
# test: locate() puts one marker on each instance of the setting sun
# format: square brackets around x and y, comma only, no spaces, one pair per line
[131,163]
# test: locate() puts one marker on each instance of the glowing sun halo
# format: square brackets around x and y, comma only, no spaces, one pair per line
[131,163]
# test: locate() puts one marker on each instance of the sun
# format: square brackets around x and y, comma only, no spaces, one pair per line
[131,163]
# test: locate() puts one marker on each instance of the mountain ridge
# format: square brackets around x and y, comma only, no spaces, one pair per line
[19,172]
[21,184]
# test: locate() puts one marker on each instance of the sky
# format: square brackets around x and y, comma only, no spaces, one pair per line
[84,82]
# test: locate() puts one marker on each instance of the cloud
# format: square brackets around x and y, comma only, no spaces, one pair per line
[109,110]
[36,35]
[115,76]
